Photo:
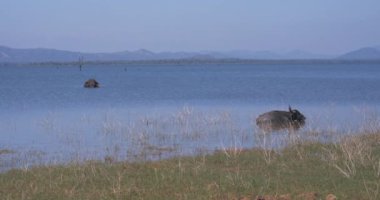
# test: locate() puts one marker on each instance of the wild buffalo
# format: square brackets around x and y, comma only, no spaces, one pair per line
[279,120]
[91,83]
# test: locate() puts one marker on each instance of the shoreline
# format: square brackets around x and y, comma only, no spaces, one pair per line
[348,169]
[192,62]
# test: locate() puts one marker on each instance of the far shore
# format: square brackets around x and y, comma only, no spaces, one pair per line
[191,61]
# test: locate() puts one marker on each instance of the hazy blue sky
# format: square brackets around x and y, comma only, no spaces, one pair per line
[320,26]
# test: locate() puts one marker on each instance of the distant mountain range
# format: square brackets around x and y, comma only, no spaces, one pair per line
[13,55]
[367,53]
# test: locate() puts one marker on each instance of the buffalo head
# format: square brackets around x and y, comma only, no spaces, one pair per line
[91,83]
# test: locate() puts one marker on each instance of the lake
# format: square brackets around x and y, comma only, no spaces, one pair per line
[154,111]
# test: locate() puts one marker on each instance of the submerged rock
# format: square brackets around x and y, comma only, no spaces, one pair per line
[91,83]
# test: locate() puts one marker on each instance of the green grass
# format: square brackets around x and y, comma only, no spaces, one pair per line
[349,169]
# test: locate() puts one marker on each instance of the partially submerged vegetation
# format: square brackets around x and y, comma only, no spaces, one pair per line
[148,159]
[349,169]
[6,151]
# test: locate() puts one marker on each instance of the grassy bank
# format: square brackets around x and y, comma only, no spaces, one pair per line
[349,169]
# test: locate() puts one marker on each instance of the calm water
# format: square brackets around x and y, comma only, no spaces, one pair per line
[47,116]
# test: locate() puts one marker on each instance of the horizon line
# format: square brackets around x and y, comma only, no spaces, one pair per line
[183,51]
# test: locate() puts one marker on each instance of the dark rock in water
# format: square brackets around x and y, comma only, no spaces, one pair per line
[91,83]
